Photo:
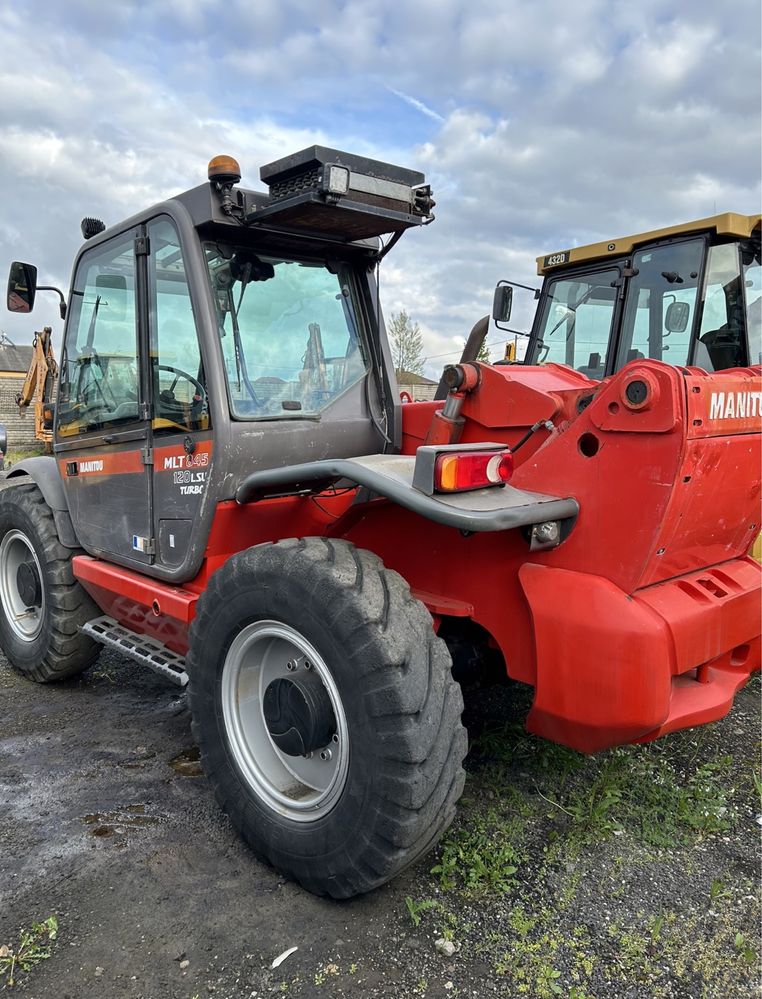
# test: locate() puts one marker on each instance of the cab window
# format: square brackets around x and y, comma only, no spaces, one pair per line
[99,385]
[179,388]
[576,323]
[662,276]
[721,335]
[288,332]
[752,280]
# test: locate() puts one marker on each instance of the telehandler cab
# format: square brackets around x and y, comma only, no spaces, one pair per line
[689,294]
[238,500]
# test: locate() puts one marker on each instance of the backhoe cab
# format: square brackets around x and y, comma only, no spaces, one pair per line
[688,295]
[238,501]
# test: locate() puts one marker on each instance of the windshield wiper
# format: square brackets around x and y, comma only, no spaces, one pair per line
[240,358]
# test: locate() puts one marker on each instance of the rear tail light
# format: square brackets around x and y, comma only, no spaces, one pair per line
[472,470]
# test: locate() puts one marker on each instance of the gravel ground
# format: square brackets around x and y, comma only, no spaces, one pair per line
[631,874]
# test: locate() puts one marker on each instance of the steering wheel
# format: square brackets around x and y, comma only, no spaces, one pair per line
[94,383]
[167,396]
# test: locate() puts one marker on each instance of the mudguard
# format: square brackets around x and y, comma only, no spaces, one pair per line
[44,473]
[389,475]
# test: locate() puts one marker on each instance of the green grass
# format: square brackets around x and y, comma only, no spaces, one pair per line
[586,876]
[646,791]
[15,455]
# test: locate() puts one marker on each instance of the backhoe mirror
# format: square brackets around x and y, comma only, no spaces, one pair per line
[112,290]
[502,303]
[22,287]
[676,319]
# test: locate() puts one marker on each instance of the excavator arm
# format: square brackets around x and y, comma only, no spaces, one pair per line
[39,384]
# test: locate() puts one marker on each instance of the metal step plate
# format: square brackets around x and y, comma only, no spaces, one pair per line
[143,649]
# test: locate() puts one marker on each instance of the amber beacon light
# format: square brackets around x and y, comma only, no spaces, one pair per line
[224,170]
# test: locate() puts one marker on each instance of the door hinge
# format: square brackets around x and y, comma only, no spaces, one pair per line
[144,411]
[142,246]
[146,455]
[146,546]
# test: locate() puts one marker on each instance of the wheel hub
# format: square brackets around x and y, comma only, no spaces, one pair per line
[298,713]
[28,583]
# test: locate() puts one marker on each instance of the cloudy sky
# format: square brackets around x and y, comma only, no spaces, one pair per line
[540,124]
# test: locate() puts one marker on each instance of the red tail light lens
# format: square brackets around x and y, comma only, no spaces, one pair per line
[472,470]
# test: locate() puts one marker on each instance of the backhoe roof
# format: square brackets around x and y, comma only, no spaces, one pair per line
[727,224]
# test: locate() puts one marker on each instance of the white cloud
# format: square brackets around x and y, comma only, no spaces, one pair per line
[540,125]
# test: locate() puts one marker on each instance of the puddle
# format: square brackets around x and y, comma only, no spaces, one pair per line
[117,823]
[188,763]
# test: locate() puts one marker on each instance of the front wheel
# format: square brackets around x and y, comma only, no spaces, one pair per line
[42,606]
[326,714]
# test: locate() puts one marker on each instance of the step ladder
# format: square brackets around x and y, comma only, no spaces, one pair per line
[142,648]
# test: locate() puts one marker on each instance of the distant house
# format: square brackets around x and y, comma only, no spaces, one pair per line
[419,389]
[14,364]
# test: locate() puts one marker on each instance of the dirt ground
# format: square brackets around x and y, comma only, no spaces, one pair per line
[635,873]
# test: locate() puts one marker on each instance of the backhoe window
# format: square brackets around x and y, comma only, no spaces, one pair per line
[576,323]
[662,275]
[288,332]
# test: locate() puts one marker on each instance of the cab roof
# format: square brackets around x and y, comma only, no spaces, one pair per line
[727,224]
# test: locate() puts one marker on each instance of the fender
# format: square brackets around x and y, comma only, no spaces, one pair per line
[392,476]
[44,473]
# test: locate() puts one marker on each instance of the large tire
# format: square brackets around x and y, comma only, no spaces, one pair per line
[389,789]
[40,611]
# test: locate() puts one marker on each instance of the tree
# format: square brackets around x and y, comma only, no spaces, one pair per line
[407,343]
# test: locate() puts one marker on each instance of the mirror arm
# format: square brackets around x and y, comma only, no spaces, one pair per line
[507,329]
[526,287]
[62,303]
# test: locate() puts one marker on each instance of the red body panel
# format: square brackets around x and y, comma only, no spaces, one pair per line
[646,619]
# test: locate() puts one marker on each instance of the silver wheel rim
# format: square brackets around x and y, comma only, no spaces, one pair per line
[299,788]
[25,621]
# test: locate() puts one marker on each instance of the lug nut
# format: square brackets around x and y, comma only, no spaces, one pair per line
[325,755]
[291,665]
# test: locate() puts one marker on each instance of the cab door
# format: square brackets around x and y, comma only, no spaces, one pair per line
[102,428]
[180,426]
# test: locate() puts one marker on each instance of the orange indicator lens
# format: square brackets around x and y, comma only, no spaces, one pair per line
[472,470]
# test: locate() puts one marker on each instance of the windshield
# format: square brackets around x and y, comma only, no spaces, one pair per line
[576,321]
[288,331]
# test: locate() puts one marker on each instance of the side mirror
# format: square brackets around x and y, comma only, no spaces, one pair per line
[502,303]
[22,287]
[676,319]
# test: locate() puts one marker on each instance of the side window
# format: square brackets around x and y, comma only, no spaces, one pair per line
[576,324]
[99,383]
[179,390]
[662,276]
[721,337]
[752,273]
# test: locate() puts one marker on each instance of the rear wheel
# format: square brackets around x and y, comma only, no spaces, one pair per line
[41,603]
[326,714]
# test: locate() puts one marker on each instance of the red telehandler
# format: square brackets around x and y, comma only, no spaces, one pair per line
[238,500]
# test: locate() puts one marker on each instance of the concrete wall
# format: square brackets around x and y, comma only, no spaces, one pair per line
[418,393]
[18,424]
